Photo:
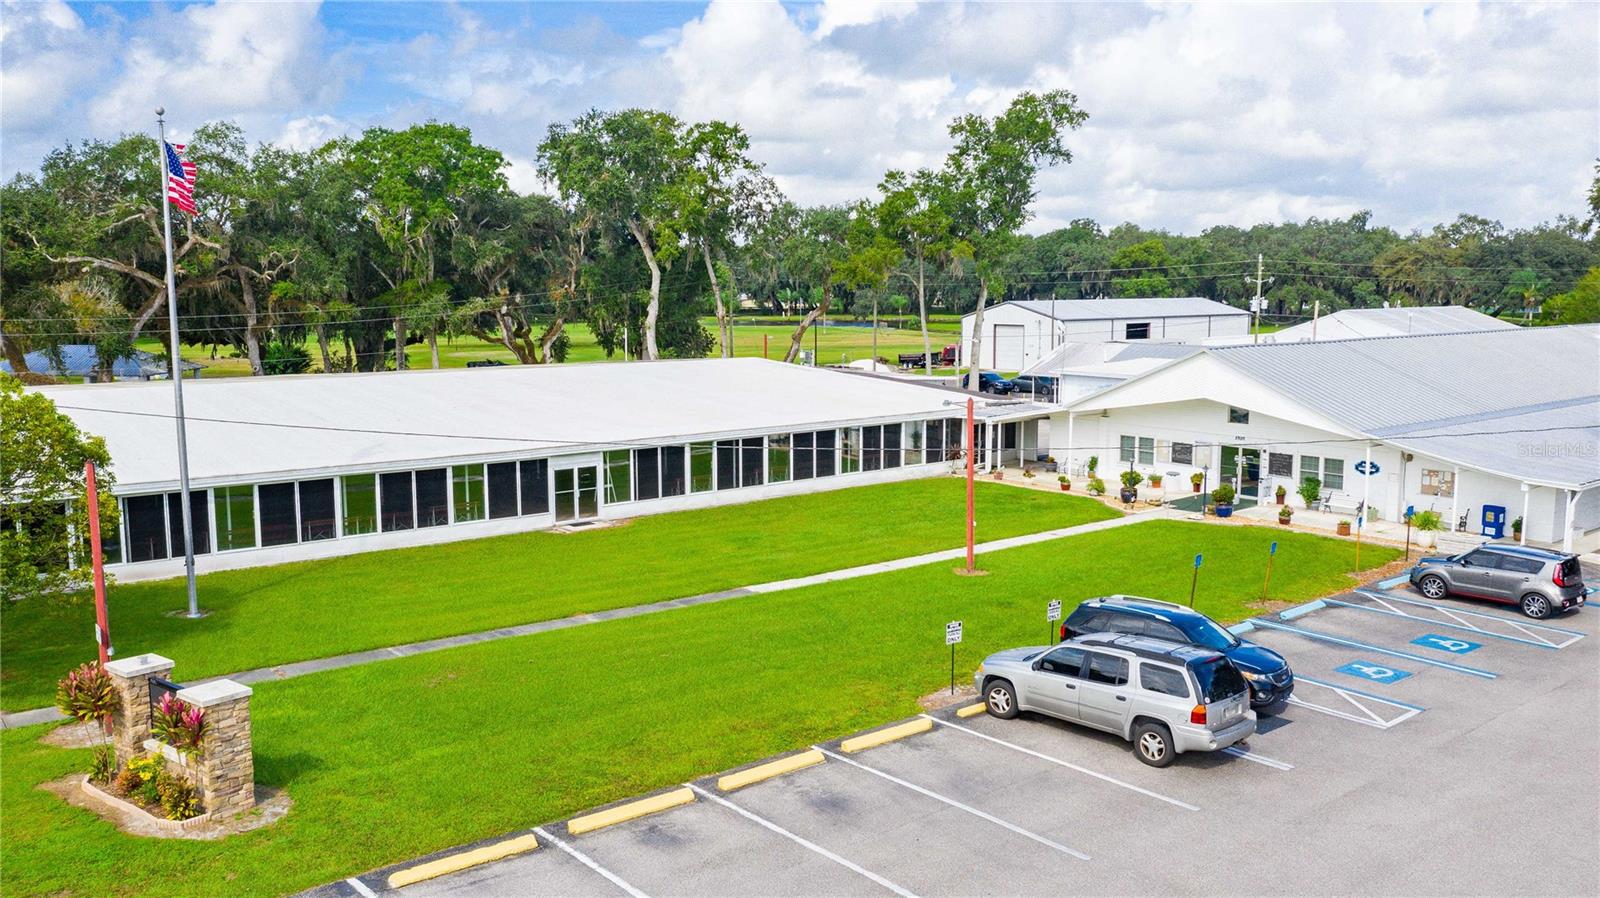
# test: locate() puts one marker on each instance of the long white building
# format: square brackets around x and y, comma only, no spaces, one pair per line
[1017,335]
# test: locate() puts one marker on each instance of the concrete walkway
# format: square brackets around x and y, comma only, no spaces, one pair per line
[334,662]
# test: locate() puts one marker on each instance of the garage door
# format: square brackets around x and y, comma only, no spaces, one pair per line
[1008,346]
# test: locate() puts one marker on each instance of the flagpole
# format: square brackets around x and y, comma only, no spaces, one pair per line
[175,367]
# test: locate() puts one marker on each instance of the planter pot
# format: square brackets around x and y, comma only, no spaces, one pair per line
[1427,539]
[999,475]
[1066,487]
[1344,529]
[1284,521]
[1224,511]
[1154,485]
[1129,496]
[1281,498]
[1516,535]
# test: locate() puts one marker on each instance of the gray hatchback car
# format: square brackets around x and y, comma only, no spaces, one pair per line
[1538,581]
[1164,697]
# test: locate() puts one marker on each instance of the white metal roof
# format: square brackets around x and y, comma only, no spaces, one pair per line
[1138,307]
[1125,359]
[341,422]
[1356,323]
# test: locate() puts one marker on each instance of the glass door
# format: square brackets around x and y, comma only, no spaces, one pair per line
[577,493]
[1250,473]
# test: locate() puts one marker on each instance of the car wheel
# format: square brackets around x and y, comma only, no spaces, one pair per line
[1433,587]
[1536,606]
[1001,700]
[1152,742]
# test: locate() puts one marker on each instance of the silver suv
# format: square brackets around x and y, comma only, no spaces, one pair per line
[1164,697]
[1538,581]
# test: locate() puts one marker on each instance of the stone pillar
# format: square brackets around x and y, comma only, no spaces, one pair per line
[224,770]
[130,724]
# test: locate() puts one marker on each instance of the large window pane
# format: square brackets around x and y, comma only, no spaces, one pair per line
[433,498]
[778,457]
[891,445]
[825,452]
[1125,451]
[751,452]
[360,500]
[535,479]
[398,508]
[1147,450]
[503,489]
[1310,466]
[236,517]
[316,510]
[147,527]
[727,464]
[588,492]
[916,434]
[619,476]
[278,524]
[700,467]
[872,448]
[674,477]
[466,491]
[850,450]
[1333,473]
[111,543]
[647,473]
[805,456]
[955,438]
[199,523]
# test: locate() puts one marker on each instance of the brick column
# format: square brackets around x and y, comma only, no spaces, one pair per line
[224,770]
[130,724]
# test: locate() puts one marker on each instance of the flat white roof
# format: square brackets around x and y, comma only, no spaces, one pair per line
[344,422]
[1130,307]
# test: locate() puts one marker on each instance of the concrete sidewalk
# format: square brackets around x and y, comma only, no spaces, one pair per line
[334,662]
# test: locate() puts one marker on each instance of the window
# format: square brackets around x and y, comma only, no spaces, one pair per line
[647,473]
[1125,449]
[1064,661]
[199,522]
[1438,483]
[619,476]
[727,464]
[398,509]
[533,481]
[147,527]
[751,452]
[1238,416]
[1140,331]
[466,491]
[955,438]
[891,445]
[316,510]
[1328,470]
[1218,679]
[1521,565]
[360,503]
[674,479]
[1164,680]
[826,444]
[915,433]
[850,450]
[1147,450]
[872,448]
[503,489]
[778,458]
[805,466]
[1484,560]
[1107,669]
[433,498]
[700,467]
[279,522]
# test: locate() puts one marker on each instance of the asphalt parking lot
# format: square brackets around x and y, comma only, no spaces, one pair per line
[1430,749]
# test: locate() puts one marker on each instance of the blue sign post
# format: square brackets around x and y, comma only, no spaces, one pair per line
[1195,581]
[1271,551]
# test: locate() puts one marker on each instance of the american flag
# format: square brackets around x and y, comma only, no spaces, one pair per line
[180,177]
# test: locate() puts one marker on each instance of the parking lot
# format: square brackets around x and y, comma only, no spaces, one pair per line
[1430,748]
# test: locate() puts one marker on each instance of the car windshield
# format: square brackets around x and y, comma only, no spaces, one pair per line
[1207,632]
[1218,679]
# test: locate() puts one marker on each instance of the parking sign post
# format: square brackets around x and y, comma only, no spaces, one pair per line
[1271,552]
[1410,510]
[1052,613]
[952,635]
[1195,581]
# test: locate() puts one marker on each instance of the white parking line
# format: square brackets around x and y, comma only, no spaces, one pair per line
[589,862]
[804,842]
[361,888]
[958,805]
[1358,700]
[1067,764]
[1249,755]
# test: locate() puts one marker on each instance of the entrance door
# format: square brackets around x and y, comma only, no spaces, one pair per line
[577,493]
[1242,468]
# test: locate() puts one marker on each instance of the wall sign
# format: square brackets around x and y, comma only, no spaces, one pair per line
[1367,467]
[1280,464]
[1183,453]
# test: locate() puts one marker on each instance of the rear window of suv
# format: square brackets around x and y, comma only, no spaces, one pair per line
[1218,679]
[1571,571]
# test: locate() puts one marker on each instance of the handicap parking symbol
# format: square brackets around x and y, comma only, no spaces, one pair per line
[1369,670]
[1446,644]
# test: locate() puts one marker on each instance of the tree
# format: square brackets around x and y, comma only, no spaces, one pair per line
[629,167]
[912,213]
[1580,305]
[44,539]
[1141,269]
[814,254]
[1527,288]
[990,178]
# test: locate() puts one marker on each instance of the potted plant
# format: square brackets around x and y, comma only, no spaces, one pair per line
[1284,514]
[1222,496]
[1196,479]
[1130,486]
[1155,481]
[1344,528]
[1281,493]
[1066,485]
[999,473]
[1094,462]
[1311,492]
[1516,529]
[1428,524]
[1097,487]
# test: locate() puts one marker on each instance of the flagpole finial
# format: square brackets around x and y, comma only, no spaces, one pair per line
[161,110]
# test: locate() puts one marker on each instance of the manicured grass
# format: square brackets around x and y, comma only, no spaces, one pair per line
[410,756]
[312,609]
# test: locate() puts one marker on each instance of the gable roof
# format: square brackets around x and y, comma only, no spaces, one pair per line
[1137,307]
[1090,358]
[1356,323]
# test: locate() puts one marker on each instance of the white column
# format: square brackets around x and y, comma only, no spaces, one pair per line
[1071,453]
[1572,509]
[1455,497]
[1526,491]
[1366,489]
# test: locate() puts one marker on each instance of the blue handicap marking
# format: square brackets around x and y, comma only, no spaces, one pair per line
[1370,670]
[1446,644]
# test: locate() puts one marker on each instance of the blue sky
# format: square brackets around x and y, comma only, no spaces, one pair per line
[1200,114]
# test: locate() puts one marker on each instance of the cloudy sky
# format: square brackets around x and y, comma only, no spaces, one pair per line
[1200,114]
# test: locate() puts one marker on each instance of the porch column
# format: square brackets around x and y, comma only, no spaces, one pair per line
[1366,491]
[1572,510]
[1526,490]
[1455,498]
[1071,453]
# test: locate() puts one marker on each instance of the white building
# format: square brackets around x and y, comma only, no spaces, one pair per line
[1351,324]
[1018,334]
[311,466]
[1082,368]
[1456,422]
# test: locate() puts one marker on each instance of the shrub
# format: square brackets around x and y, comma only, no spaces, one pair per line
[1097,486]
[1285,513]
[1197,478]
[1281,491]
[1062,479]
[1516,525]
[104,766]
[1310,491]
[1094,462]
[179,724]
[1223,495]
[178,798]
[125,781]
[1427,520]
[1131,479]
[86,694]
[285,358]
[1155,480]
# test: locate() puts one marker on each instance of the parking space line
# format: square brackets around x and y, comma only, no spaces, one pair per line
[1367,717]
[1458,617]
[589,862]
[1249,755]
[1067,764]
[804,842]
[959,806]
[361,888]
[1339,640]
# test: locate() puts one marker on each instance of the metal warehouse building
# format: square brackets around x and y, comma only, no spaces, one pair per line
[1017,335]
[310,466]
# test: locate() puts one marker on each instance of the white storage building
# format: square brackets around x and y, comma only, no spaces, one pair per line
[1018,334]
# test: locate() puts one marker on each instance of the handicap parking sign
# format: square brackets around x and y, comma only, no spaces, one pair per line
[1446,644]
[1371,670]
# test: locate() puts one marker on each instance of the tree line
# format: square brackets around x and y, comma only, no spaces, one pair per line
[367,245]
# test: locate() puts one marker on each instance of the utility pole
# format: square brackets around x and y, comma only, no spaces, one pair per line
[175,367]
[1255,304]
[1316,313]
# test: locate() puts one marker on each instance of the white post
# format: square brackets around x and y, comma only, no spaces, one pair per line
[1071,453]
[1455,498]
[1526,491]
[1316,312]
[1366,490]
[175,367]
[1566,532]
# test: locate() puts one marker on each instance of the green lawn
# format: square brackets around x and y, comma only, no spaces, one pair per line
[311,609]
[410,756]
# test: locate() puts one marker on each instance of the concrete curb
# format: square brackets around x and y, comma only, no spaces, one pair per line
[630,811]
[885,736]
[767,771]
[457,862]
[971,710]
